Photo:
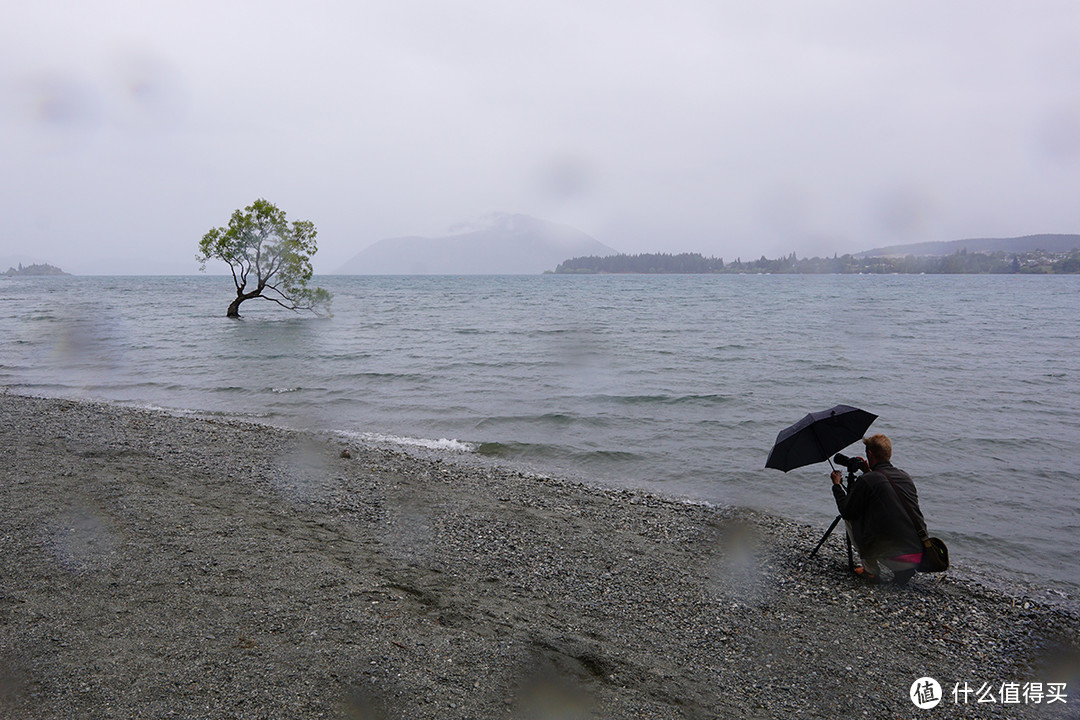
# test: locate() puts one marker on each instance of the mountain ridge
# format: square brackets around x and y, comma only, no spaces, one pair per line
[496,244]
[1050,242]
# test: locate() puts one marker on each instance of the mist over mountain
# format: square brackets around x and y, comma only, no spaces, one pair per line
[1026,243]
[497,244]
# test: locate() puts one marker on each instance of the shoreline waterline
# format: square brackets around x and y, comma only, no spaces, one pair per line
[468,455]
[216,568]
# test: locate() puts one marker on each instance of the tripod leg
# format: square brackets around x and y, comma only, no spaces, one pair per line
[826,537]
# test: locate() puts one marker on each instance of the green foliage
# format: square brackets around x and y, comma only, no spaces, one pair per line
[264,250]
[1068,264]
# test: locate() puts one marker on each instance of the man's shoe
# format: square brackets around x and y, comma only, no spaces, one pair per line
[866,575]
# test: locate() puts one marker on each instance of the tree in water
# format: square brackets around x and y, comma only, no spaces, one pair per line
[267,252]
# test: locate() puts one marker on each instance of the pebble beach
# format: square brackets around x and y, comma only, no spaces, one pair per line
[157,566]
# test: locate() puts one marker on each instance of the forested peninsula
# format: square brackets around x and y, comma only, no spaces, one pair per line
[1036,262]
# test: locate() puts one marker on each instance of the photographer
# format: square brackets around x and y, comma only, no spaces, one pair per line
[878,524]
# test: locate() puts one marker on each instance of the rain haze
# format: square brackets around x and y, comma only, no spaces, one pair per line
[731,129]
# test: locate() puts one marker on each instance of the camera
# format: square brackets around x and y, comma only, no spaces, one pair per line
[851,463]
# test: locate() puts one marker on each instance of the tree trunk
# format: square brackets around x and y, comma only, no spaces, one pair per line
[241,296]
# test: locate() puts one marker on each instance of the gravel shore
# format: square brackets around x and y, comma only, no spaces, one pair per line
[154,566]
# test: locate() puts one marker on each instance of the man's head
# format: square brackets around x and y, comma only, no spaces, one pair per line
[878,449]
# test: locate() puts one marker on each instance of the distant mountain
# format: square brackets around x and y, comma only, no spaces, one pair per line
[1027,243]
[498,244]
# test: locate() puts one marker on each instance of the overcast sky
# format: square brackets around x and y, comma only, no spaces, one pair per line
[128,129]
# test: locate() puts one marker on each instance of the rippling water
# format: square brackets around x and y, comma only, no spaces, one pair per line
[671,383]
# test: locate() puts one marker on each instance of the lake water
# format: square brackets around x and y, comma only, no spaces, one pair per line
[675,384]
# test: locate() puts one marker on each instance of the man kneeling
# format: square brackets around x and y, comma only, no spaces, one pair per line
[878,523]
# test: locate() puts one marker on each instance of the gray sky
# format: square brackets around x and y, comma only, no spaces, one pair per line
[128,129]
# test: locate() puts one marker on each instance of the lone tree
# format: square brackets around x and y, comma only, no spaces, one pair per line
[264,250]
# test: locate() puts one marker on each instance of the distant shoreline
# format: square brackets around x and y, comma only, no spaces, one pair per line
[958,263]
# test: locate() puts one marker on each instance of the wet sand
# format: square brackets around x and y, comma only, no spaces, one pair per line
[160,566]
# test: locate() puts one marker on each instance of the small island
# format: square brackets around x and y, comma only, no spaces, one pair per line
[35,270]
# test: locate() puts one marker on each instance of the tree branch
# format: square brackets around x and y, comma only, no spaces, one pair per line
[258,256]
[293,307]
[268,287]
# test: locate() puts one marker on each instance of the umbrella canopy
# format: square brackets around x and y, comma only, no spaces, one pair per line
[818,436]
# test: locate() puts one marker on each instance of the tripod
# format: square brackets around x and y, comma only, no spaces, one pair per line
[847,538]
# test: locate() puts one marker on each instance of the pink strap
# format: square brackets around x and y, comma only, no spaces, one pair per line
[912,558]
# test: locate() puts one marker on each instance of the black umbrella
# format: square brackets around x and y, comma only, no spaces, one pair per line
[818,436]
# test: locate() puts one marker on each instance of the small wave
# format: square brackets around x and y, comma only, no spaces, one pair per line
[505,450]
[371,375]
[280,391]
[523,450]
[694,399]
[556,419]
[441,445]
